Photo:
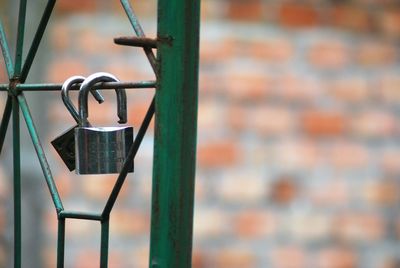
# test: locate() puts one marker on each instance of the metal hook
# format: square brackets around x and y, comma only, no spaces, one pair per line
[88,84]
[67,101]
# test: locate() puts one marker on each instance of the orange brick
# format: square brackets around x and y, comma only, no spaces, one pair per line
[254,224]
[293,88]
[248,86]
[75,6]
[389,161]
[353,89]
[376,53]
[333,193]
[218,154]
[289,257]
[374,124]
[347,155]
[389,89]
[270,121]
[329,54]
[237,117]
[63,68]
[129,222]
[323,123]
[389,22]
[298,15]
[278,50]
[383,193]
[361,227]
[99,187]
[336,257]
[351,17]
[247,10]
[234,258]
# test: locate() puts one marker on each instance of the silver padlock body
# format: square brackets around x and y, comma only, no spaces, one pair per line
[102,150]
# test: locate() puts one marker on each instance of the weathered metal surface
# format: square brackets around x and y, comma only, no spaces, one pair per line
[136,41]
[105,85]
[5,121]
[175,134]
[17,183]
[20,38]
[6,52]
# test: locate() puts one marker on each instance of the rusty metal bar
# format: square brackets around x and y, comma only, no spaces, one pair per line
[136,41]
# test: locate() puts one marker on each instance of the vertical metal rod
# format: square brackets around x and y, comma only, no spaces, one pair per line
[104,243]
[36,40]
[60,243]
[20,37]
[131,155]
[175,134]
[5,121]
[17,183]
[40,153]
[6,51]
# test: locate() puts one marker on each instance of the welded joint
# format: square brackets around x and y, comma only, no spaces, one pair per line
[13,89]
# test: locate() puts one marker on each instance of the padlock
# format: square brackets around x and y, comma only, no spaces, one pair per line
[101,150]
[65,143]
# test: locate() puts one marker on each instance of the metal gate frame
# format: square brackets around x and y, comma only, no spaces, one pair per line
[175,108]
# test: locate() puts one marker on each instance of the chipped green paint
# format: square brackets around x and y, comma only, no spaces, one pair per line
[175,134]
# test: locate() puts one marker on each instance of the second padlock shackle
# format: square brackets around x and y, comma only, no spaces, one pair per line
[67,101]
[87,85]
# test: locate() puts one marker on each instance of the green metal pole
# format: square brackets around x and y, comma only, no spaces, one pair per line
[105,226]
[175,134]
[60,243]
[17,184]
[4,121]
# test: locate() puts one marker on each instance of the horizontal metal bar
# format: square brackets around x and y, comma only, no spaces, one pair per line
[136,41]
[57,87]
[79,215]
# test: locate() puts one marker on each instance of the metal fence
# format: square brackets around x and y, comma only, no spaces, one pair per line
[175,107]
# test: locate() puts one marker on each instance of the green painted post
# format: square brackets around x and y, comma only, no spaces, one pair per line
[175,134]
[17,183]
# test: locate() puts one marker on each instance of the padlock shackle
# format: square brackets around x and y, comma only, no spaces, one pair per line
[66,99]
[87,85]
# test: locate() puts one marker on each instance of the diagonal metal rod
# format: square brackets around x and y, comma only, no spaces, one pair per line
[5,121]
[36,40]
[17,184]
[131,155]
[20,38]
[6,52]
[140,33]
[40,153]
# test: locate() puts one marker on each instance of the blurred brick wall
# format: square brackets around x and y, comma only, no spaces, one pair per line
[298,151]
